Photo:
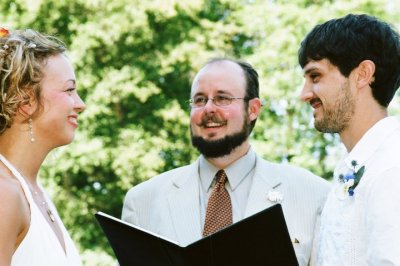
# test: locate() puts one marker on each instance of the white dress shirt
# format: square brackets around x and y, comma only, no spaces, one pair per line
[364,229]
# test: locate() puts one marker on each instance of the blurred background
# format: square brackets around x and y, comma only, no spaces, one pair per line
[134,62]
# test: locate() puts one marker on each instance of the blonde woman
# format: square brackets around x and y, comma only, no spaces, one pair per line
[39,108]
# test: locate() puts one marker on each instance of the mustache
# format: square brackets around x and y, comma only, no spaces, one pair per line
[211,118]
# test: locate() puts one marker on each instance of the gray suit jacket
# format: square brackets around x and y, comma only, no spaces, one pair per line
[169,203]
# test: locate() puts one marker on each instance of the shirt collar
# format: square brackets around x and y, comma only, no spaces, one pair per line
[370,142]
[235,172]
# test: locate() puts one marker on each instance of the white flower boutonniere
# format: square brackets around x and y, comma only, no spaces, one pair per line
[275,196]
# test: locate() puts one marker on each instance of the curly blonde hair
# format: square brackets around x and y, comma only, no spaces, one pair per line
[23,54]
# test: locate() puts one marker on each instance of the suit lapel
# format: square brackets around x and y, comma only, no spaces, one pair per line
[184,205]
[264,180]
[184,202]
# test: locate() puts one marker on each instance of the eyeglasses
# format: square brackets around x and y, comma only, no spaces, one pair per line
[219,100]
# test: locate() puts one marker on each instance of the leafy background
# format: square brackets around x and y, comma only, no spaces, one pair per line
[134,62]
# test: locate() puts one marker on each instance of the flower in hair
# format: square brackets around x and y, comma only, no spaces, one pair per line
[4,32]
[352,178]
[31,45]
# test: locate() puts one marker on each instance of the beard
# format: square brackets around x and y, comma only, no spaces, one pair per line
[221,147]
[336,117]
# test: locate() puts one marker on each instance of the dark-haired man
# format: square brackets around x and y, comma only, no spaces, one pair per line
[224,107]
[352,70]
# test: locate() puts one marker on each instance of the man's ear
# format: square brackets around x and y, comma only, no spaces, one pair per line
[254,108]
[366,72]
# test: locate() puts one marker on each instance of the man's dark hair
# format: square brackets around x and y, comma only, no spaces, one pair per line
[252,84]
[347,41]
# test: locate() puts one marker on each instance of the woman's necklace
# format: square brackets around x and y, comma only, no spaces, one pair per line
[42,200]
[44,204]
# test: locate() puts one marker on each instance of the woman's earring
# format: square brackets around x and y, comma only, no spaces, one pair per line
[32,137]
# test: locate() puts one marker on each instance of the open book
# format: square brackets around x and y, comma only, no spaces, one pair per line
[261,239]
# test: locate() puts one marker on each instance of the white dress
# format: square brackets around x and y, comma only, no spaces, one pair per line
[41,247]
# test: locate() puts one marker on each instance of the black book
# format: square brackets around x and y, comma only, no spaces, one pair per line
[261,239]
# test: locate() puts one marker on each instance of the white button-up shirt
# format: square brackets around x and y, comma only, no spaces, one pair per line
[364,229]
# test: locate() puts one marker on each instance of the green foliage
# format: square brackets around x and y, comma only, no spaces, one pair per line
[134,62]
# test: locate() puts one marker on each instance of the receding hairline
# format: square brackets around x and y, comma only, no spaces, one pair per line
[219,63]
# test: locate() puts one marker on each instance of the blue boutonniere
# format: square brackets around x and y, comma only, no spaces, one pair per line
[352,178]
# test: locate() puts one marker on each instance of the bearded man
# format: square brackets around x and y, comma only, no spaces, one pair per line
[352,71]
[224,107]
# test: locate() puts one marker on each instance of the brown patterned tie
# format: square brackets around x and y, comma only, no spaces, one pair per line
[219,208]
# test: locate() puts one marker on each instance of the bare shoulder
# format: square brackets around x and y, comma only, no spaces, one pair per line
[14,213]
[10,193]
